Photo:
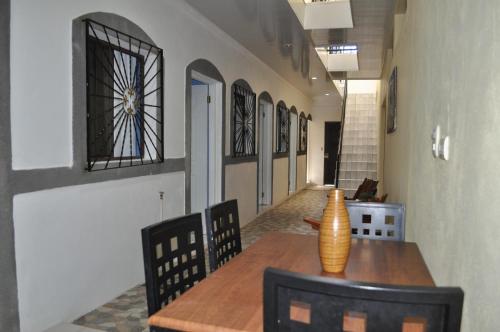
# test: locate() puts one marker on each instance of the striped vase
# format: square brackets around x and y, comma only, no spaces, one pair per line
[335,234]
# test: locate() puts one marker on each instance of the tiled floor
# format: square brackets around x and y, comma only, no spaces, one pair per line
[128,313]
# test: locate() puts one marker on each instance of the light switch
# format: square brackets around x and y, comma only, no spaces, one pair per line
[444,148]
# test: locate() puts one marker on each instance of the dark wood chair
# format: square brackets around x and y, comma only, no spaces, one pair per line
[223,233]
[299,302]
[174,259]
[367,188]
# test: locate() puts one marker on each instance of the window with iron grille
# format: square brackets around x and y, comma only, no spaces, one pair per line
[303,133]
[282,128]
[243,121]
[124,99]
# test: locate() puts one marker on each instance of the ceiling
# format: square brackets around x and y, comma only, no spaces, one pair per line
[271,31]
[372,33]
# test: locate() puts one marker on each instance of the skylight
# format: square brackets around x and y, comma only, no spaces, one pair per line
[343,49]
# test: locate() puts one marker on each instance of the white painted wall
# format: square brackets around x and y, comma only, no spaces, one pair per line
[325,108]
[182,32]
[78,247]
[100,223]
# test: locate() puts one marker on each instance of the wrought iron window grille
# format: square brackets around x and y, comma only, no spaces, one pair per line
[243,122]
[283,128]
[124,77]
[303,133]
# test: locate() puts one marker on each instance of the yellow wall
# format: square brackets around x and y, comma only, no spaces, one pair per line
[448,58]
[241,184]
[301,172]
[280,180]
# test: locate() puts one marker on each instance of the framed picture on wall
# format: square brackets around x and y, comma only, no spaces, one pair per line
[392,101]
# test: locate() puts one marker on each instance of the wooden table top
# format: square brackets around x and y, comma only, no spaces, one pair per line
[230,299]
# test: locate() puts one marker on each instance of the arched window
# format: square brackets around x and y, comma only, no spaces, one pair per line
[282,128]
[124,76]
[243,119]
[302,133]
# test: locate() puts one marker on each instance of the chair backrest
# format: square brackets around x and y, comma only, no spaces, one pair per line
[299,302]
[223,233]
[368,186]
[377,221]
[174,259]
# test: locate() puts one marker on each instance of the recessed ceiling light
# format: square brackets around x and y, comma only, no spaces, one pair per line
[314,78]
[327,94]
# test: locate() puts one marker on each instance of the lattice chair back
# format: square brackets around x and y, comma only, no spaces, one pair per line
[174,259]
[223,233]
[299,302]
[377,221]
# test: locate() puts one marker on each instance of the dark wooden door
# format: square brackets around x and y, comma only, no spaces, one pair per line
[332,139]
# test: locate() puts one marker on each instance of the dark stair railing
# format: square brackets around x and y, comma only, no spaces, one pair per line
[339,151]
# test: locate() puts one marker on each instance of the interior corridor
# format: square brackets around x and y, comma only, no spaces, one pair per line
[128,313]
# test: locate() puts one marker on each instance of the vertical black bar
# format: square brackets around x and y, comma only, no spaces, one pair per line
[142,63]
[130,137]
[130,60]
[289,115]
[161,110]
[339,154]
[89,166]
[254,114]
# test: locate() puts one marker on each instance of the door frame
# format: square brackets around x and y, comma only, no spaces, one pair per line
[265,97]
[215,91]
[208,70]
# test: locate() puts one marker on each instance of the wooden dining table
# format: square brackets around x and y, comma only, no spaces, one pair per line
[230,299]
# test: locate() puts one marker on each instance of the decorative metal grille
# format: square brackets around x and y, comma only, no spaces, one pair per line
[244,122]
[124,99]
[283,128]
[303,133]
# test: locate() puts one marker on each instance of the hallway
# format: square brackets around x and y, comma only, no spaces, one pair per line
[127,313]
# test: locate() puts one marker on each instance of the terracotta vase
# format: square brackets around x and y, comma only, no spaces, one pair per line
[335,234]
